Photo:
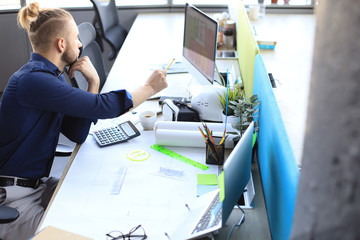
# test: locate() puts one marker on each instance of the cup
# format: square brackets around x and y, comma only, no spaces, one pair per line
[254,12]
[148,119]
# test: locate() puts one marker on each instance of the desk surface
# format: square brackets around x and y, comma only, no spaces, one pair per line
[290,64]
[83,204]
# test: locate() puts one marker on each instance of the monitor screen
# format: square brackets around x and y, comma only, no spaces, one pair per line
[200,44]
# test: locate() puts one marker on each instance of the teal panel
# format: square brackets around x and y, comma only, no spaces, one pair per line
[278,168]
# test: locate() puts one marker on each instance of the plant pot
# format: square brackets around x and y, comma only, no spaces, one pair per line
[274,1]
[230,119]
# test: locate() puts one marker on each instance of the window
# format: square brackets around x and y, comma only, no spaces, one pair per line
[9,4]
[281,3]
[15,4]
[87,3]
[63,3]
[140,2]
[200,2]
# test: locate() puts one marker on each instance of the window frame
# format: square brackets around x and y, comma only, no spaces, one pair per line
[170,4]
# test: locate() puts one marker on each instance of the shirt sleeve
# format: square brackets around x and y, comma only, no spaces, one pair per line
[76,129]
[45,91]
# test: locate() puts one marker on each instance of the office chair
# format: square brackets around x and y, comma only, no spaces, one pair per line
[87,35]
[8,214]
[107,24]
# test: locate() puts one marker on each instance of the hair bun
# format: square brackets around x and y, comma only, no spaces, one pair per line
[33,9]
[28,14]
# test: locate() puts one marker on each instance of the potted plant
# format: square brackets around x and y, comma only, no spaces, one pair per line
[234,92]
[246,111]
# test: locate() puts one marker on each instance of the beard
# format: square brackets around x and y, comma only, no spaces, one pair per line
[68,57]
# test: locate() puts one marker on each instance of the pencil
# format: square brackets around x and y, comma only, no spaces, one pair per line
[169,64]
[202,133]
[223,138]
[210,145]
[212,142]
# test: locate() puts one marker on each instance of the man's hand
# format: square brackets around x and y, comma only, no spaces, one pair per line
[85,66]
[155,83]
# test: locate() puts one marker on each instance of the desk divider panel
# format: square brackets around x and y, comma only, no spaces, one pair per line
[247,48]
[278,168]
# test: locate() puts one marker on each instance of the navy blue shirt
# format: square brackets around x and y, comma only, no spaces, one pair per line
[36,106]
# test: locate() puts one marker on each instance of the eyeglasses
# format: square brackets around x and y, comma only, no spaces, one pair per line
[136,233]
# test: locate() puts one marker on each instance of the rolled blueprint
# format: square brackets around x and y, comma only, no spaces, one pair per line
[187,134]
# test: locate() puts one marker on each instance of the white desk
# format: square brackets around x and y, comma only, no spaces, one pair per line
[290,64]
[84,204]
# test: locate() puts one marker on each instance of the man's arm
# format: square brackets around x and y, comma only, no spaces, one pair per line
[155,83]
[76,129]
[85,66]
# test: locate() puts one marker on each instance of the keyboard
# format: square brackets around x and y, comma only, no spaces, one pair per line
[208,220]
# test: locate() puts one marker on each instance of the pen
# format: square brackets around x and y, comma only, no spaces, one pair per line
[209,144]
[207,132]
[202,133]
[212,140]
[223,138]
[214,151]
[169,64]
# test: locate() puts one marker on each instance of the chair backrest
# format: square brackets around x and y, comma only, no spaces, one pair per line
[91,49]
[111,30]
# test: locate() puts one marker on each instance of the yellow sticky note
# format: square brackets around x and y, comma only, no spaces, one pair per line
[221,186]
[207,179]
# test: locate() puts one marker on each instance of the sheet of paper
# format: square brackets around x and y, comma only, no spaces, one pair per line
[203,189]
[222,186]
[207,179]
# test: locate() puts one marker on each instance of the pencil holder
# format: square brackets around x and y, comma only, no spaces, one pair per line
[215,157]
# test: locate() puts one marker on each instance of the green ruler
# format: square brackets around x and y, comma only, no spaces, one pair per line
[179,157]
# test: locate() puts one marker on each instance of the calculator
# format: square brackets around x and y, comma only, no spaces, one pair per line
[116,134]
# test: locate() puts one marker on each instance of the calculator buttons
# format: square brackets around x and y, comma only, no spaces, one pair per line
[116,134]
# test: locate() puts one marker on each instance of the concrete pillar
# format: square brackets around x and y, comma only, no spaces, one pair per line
[328,200]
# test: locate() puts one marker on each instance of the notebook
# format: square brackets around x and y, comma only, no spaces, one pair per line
[213,213]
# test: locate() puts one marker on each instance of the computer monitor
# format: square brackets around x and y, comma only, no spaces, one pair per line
[200,44]
[237,169]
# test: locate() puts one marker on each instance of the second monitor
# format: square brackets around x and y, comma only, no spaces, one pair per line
[200,44]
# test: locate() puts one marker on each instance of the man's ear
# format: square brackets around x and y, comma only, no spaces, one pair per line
[61,45]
